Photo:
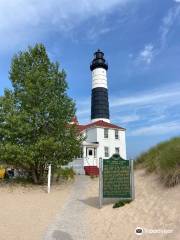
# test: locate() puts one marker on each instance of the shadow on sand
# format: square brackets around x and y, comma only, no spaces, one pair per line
[94,201]
[91,201]
[60,235]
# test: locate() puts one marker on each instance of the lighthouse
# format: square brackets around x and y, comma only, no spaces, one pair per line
[99,94]
[102,138]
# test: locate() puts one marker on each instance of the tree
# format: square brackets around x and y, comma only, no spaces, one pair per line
[35,115]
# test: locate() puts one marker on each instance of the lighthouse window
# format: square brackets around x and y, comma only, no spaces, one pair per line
[106,133]
[116,134]
[106,151]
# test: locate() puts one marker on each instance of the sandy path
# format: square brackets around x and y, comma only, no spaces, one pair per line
[155,207]
[70,223]
[26,212]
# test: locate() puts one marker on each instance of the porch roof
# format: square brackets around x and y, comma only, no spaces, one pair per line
[90,144]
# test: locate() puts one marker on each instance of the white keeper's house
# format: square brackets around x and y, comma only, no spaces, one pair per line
[103,138]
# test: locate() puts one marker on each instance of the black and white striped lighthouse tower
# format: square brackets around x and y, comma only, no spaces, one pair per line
[99,95]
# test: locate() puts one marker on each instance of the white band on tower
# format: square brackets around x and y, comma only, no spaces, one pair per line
[100,119]
[99,78]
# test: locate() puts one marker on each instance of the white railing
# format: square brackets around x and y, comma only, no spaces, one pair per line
[90,162]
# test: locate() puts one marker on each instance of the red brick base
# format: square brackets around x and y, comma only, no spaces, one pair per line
[91,170]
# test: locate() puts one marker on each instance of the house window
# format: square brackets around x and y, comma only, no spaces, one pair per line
[106,151]
[90,152]
[106,133]
[117,150]
[116,134]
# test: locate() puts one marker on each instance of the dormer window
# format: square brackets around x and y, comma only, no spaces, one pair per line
[106,132]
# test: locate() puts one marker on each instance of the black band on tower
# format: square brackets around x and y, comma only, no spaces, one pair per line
[99,103]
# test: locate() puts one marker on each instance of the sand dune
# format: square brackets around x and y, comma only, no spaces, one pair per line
[155,208]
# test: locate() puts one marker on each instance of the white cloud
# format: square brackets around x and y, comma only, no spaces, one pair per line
[167,95]
[146,55]
[93,33]
[21,20]
[158,118]
[142,112]
[149,107]
[127,118]
[83,110]
[157,129]
[168,22]
[150,51]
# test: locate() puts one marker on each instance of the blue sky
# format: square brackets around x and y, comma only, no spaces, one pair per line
[140,39]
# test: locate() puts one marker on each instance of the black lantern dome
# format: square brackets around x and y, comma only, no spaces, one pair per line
[99,61]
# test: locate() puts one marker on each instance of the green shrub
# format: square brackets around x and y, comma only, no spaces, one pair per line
[121,203]
[164,159]
[21,180]
[64,173]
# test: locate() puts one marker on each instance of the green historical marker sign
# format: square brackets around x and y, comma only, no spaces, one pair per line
[116,178]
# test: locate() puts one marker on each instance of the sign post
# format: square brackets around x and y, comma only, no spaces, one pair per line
[116,179]
[132,180]
[100,182]
[49,178]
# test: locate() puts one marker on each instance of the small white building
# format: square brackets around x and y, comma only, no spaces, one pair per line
[102,138]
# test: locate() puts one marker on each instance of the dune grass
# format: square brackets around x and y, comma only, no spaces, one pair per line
[121,203]
[163,159]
